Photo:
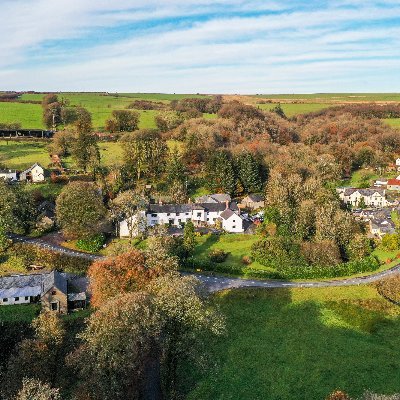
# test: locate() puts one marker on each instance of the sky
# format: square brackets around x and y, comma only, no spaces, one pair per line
[200,46]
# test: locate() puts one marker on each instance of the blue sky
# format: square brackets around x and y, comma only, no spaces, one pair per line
[190,46]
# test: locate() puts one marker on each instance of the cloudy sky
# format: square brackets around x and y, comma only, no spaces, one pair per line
[208,46]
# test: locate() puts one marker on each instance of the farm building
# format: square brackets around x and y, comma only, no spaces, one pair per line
[8,175]
[33,174]
[28,133]
[56,291]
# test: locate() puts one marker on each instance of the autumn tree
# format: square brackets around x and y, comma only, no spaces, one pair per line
[62,143]
[33,389]
[125,273]
[123,121]
[80,210]
[144,153]
[168,120]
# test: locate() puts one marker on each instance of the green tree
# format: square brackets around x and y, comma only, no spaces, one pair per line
[189,238]
[175,168]
[220,173]
[80,210]
[249,172]
[123,121]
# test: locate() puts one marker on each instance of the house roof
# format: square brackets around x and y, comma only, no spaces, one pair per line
[394,182]
[21,285]
[226,214]
[183,208]
[364,192]
[31,168]
[214,198]
[8,171]
[55,279]
[255,197]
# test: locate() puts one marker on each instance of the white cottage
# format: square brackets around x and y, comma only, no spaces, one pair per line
[8,175]
[372,197]
[202,214]
[33,174]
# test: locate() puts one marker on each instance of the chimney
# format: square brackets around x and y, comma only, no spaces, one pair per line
[226,204]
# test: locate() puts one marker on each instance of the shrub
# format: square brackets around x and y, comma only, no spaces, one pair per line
[338,395]
[92,244]
[388,260]
[217,255]
[246,260]
[390,242]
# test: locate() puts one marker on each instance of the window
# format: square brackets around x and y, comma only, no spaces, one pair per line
[154,215]
[5,300]
[187,213]
[53,292]
[198,214]
[16,298]
[26,298]
[233,226]
[168,214]
[54,306]
[177,214]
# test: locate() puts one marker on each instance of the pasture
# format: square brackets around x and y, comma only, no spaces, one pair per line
[292,109]
[303,344]
[334,97]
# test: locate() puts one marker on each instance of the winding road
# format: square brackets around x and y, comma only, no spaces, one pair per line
[215,283]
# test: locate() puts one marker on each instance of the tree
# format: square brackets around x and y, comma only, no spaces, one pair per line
[80,210]
[248,171]
[85,149]
[128,272]
[61,143]
[17,211]
[168,120]
[220,174]
[144,153]
[5,242]
[279,110]
[129,205]
[175,168]
[123,121]
[359,247]
[33,389]
[189,238]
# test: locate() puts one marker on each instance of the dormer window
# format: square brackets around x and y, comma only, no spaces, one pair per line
[53,292]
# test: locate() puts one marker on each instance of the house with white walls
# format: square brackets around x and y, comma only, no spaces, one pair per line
[34,174]
[373,197]
[9,175]
[226,215]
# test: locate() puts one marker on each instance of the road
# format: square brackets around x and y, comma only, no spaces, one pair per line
[217,283]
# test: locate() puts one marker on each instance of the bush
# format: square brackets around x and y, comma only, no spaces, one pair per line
[217,256]
[92,244]
[246,260]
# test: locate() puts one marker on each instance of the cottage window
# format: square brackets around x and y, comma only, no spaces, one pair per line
[5,300]
[177,214]
[16,298]
[233,226]
[187,213]
[154,215]
[26,298]
[198,214]
[54,306]
[53,292]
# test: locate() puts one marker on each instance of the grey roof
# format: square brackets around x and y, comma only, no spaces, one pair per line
[8,171]
[256,198]
[364,192]
[21,285]
[55,279]
[214,198]
[227,214]
[77,296]
[183,208]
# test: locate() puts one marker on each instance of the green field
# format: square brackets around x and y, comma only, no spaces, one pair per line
[28,115]
[302,344]
[292,109]
[18,313]
[395,122]
[348,97]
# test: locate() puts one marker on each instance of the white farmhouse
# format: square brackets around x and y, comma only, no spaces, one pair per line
[33,174]
[8,175]
[372,197]
[202,214]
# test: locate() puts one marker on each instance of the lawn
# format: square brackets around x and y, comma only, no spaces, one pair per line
[18,313]
[237,245]
[303,344]
[296,108]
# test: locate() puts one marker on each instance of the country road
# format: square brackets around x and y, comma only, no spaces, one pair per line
[217,283]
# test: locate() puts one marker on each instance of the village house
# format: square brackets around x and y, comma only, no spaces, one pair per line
[213,198]
[393,184]
[33,174]
[56,291]
[226,215]
[8,175]
[381,227]
[398,164]
[371,197]
[252,202]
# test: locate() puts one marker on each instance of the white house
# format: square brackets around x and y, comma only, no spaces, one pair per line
[8,175]
[398,164]
[33,174]
[202,214]
[372,197]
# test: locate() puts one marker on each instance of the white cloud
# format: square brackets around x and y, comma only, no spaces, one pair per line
[231,51]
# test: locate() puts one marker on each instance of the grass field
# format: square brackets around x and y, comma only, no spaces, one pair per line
[28,115]
[23,312]
[395,122]
[296,108]
[302,344]
[345,97]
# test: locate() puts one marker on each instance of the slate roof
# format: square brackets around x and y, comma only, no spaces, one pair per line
[55,279]
[213,198]
[21,285]
[183,208]
[8,171]
[256,198]
[364,192]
